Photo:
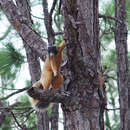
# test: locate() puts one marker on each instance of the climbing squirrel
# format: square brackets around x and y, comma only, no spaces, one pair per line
[50,76]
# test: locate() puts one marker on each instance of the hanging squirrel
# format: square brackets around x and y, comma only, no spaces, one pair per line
[50,76]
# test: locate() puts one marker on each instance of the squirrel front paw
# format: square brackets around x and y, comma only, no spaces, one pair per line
[55,74]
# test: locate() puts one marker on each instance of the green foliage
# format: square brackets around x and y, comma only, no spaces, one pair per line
[107,120]
[109,60]
[107,24]
[109,66]
[58,20]
[7,123]
[108,8]
[25,115]
[10,63]
[28,82]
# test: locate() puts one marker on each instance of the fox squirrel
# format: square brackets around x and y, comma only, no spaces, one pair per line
[50,76]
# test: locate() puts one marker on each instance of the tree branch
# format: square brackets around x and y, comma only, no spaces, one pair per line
[16,120]
[58,96]
[37,17]
[109,17]
[18,21]
[53,7]
[114,109]
[48,23]
[16,92]
[59,33]
[4,111]
[60,3]
[32,58]
[16,108]
[6,33]
[53,95]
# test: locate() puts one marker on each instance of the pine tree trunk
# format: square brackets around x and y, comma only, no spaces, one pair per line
[122,64]
[83,53]
[33,62]
[129,94]
[54,117]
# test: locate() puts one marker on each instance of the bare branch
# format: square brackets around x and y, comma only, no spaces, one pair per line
[105,32]
[109,17]
[14,93]
[57,96]
[59,33]
[16,120]
[31,37]
[52,8]
[114,109]
[48,23]
[37,17]
[28,116]
[16,108]
[53,95]
[6,33]
[4,110]
[32,57]
[60,4]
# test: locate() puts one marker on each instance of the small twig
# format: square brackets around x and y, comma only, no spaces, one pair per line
[12,94]
[114,109]
[6,33]
[12,89]
[16,120]
[48,23]
[109,17]
[28,115]
[60,3]
[110,77]
[104,32]
[52,8]
[37,17]
[59,33]
[16,108]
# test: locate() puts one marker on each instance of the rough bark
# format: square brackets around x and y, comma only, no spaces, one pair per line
[122,63]
[54,117]
[53,95]
[43,121]
[33,61]
[129,94]
[3,114]
[83,109]
[19,22]
[48,23]
[32,58]
[82,39]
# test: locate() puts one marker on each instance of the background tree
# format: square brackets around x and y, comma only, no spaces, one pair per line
[122,63]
